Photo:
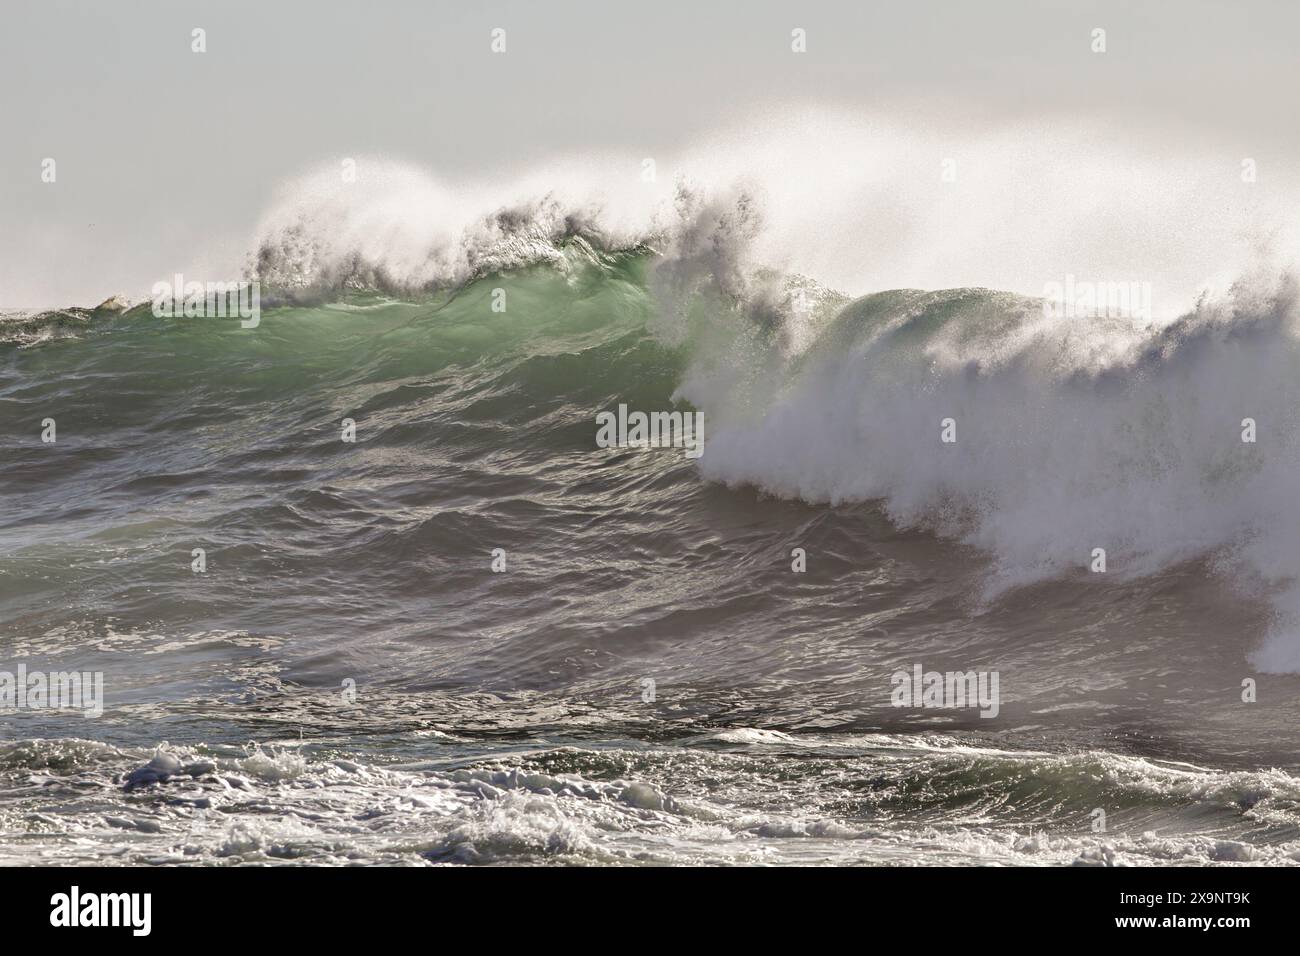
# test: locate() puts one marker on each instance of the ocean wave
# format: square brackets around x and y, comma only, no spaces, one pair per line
[1072,434]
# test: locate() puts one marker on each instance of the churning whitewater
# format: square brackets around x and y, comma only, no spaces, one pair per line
[473,634]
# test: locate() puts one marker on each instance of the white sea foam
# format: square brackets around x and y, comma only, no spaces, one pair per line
[1069,436]
[743,805]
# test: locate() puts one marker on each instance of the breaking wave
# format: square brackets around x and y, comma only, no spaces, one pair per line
[1121,433]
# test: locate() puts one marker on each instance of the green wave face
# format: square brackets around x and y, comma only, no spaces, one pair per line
[177,434]
[494,322]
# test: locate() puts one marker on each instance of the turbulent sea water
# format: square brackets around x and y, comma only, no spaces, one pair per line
[351,682]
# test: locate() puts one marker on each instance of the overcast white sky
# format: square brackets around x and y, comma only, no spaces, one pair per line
[166,157]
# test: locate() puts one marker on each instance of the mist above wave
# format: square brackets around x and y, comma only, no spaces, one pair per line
[858,203]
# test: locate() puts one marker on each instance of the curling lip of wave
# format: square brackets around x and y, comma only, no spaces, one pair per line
[1070,436]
